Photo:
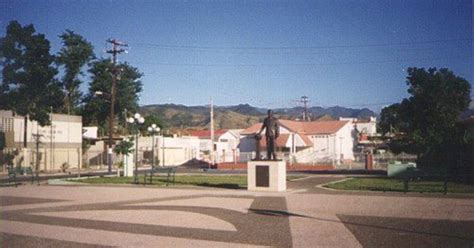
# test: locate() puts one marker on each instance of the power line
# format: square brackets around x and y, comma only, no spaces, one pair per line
[292,52]
[288,64]
[298,53]
[298,47]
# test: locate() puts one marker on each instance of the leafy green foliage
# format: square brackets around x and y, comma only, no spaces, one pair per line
[438,98]
[125,147]
[75,53]
[28,85]
[390,119]
[426,121]
[6,158]
[96,108]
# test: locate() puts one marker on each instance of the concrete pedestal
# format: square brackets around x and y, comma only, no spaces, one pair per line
[266,176]
[128,165]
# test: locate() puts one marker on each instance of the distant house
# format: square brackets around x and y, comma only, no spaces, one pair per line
[368,127]
[168,150]
[225,143]
[309,142]
[206,134]
[232,137]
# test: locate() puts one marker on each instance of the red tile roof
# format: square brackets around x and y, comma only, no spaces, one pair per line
[207,133]
[283,139]
[304,127]
[252,129]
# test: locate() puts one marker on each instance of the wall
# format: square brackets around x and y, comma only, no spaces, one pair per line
[231,140]
[247,143]
[338,146]
[169,150]
[324,146]
[368,127]
[345,143]
[59,143]
[66,131]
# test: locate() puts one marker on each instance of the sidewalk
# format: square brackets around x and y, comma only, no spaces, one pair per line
[80,216]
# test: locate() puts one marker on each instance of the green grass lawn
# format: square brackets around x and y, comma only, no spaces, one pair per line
[218,181]
[389,184]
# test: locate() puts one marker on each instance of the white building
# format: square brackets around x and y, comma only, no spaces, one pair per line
[368,127]
[309,142]
[170,151]
[232,137]
[229,142]
[226,144]
[90,132]
[59,145]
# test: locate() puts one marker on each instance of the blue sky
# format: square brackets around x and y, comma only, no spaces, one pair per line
[267,53]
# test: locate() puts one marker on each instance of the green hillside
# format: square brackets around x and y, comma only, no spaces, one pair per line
[239,116]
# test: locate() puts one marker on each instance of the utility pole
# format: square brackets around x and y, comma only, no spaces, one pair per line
[212,132]
[114,51]
[51,140]
[305,100]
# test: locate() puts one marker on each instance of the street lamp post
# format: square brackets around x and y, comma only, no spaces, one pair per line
[153,129]
[163,148]
[111,98]
[137,119]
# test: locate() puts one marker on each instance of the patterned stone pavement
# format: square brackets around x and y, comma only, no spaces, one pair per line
[305,216]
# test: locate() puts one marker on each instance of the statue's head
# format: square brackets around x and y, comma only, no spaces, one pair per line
[270,113]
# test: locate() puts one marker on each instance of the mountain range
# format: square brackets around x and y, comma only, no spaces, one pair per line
[242,115]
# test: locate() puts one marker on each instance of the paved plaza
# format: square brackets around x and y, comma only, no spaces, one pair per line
[304,216]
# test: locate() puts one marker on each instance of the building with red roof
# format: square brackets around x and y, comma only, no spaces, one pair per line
[308,142]
[206,134]
[225,144]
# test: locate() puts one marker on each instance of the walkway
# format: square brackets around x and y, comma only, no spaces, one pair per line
[305,216]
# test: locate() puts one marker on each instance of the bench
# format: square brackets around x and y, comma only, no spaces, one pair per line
[14,171]
[12,175]
[169,171]
[414,174]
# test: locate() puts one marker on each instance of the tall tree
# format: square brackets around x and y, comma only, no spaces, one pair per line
[150,120]
[428,117]
[28,85]
[97,108]
[437,99]
[75,53]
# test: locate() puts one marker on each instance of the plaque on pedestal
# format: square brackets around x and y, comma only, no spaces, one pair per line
[262,176]
[266,175]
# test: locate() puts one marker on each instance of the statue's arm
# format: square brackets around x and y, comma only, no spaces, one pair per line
[261,129]
[277,129]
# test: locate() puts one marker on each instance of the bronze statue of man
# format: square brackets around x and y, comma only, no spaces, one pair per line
[272,131]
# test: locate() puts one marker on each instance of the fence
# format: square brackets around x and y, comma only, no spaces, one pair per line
[314,158]
[99,159]
[44,158]
[286,156]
